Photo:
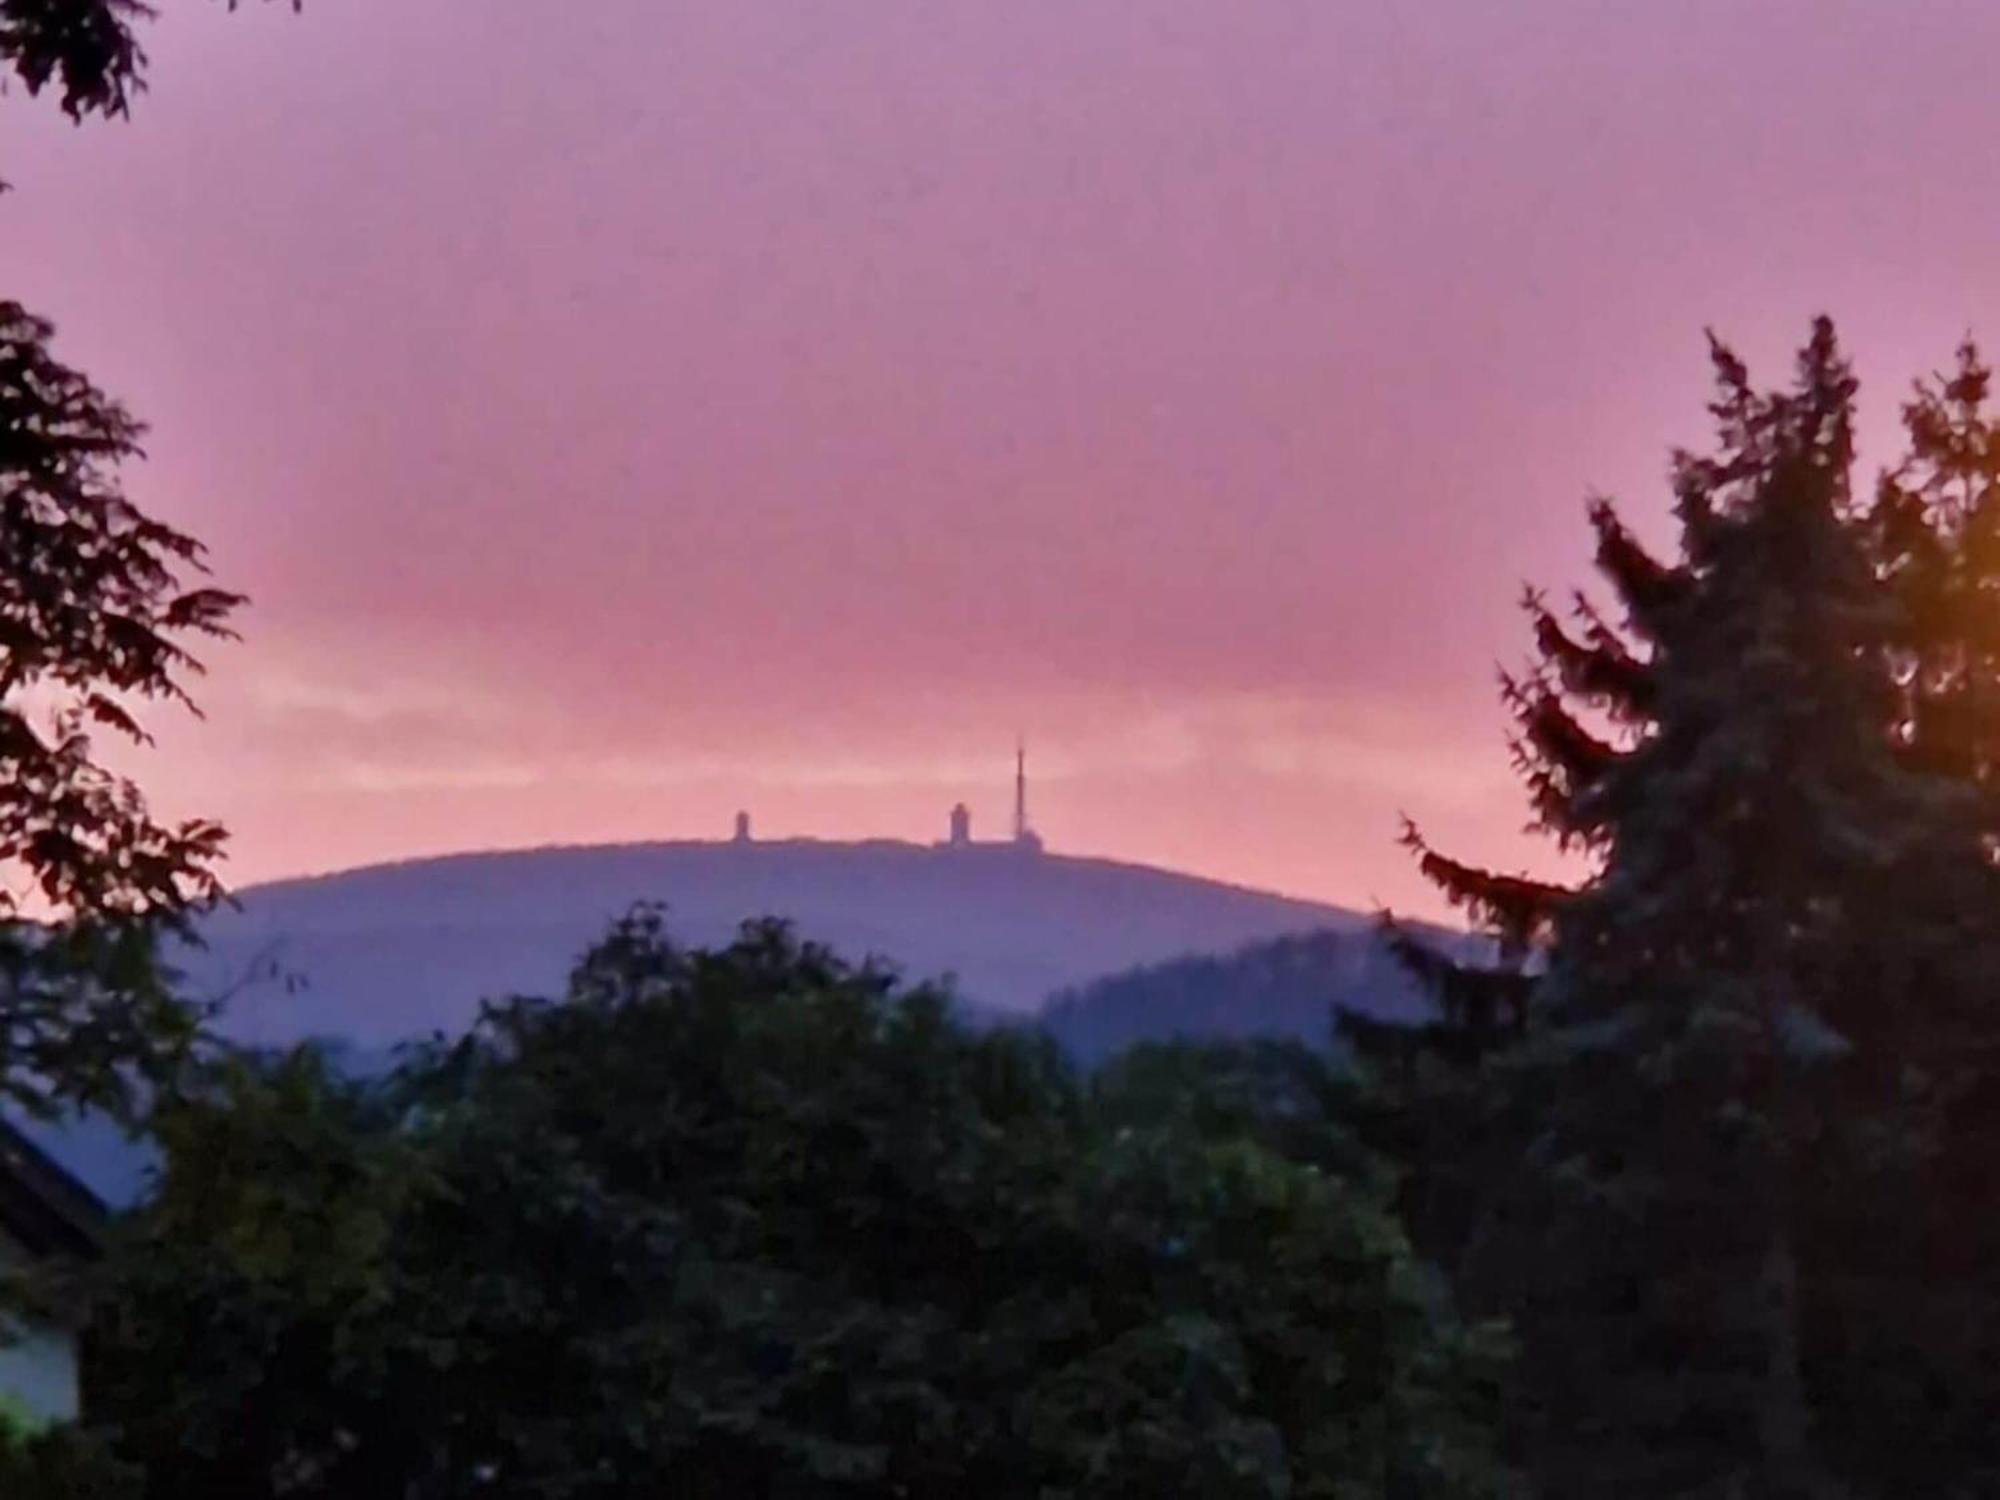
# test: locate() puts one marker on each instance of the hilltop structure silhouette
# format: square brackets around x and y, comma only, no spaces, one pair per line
[958,826]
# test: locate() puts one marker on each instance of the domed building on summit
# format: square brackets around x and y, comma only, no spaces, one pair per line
[1026,840]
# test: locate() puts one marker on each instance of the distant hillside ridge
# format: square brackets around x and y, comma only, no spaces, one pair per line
[388,952]
[1284,987]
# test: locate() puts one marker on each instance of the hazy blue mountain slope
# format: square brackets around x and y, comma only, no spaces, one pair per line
[394,951]
[391,952]
[1282,987]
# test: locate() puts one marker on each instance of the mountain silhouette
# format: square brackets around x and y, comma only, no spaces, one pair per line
[372,957]
[377,955]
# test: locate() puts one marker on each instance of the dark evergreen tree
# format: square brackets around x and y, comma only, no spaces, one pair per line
[1931,1338]
[1721,1012]
[1934,535]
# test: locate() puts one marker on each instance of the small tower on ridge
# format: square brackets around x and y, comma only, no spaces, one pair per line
[1024,836]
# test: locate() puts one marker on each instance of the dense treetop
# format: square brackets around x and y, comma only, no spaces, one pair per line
[750,1221]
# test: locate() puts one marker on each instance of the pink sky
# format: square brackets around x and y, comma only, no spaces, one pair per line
[628,412]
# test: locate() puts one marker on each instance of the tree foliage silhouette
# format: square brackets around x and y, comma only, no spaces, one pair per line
[96,616]
[99,603]
[86,51]
[749,1221]
[1785,918]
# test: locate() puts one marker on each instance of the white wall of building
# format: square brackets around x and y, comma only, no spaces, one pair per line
[38,1373]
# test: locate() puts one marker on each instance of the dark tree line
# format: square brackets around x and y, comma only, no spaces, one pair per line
[752,1222]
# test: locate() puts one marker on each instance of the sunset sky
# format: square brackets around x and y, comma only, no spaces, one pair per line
[627,412]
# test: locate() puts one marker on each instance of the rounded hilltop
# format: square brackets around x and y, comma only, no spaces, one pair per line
[395,950]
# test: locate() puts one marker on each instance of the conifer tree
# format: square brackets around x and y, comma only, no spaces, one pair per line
[1934,534]
[1721,1015]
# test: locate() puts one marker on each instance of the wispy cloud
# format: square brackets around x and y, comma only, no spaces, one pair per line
[284,694]
[366,776]
[1358,746]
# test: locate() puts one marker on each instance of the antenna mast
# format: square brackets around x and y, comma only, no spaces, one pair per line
[1020,791]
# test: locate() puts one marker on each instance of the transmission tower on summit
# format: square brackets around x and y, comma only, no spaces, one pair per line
[1024,836]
